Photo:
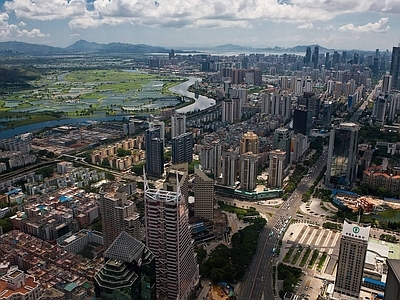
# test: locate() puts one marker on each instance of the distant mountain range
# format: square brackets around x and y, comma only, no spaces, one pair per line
[83,46]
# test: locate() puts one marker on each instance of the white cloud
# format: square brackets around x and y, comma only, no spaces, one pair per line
[306,26]
[379,26]
[12,30]
[330,28]
[193,13]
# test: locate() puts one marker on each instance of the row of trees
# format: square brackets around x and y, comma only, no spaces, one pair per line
[225,264]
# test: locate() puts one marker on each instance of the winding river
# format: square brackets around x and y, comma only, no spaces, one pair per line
[201,102]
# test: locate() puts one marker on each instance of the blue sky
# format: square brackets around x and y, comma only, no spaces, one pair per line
[339,24]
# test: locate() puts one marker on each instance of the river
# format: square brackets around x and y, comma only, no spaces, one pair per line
[200,103]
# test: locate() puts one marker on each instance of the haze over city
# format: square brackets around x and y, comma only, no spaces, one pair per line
[352,24]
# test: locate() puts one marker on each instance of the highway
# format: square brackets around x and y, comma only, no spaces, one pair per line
[257,283]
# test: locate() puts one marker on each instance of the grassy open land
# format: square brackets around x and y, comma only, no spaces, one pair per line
[84,93]
[107,76]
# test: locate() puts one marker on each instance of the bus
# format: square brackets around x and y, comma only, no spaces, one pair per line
[300,215]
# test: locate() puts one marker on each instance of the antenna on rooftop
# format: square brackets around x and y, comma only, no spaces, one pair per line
[146,184]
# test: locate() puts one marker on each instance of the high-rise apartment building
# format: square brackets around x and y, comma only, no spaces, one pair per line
[386,83]
[380,108]
[154,152]
[392,289]
[350,268]
[203,187]
[230,166]
[249,143]
[227,111]
[277,161]
[342,155]
[248,171]
[178,125]
[117,214]
[395,68]
[128,271]
[168,238]
[282,141]
[394,105]
[182,148]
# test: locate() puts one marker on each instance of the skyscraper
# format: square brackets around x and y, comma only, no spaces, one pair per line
[117,214]
[307,58]
[229,168]
[392,289]
[203,187]
[395,68]
[168,238]
[178,125]
[182,148]
[248,171]
[315,57]
[342,155]
[249,143]
[154,152]
[353,249]
[128,272]
[386,83]
[227,111]
[282,141]
[276,169]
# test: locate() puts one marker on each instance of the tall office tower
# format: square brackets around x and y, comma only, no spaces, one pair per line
[203,187]
[168,238]
[154,152]
[353,249]
[395,68]
[335,59]
[386,83]
[248,171]
[326,113]
[392,288]
[356,58]
[128,271]
[394,105]
[380,108]
[177,176]
[302,120]
[284,83]
[298,89]
[315,57]
[308,86]
[249,143]
[286,106]
[282,141]
[344,57]
[227,111]
[311,102]
[178,125]
[257,76]
[277,161]
[117,214]
[342,155]
[327,61]
[245,62]
[307,58]
[230,168]
[182,148]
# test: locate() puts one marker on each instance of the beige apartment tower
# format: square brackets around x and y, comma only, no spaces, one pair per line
[249,143]
[203,195]
[117,215]
[277,161]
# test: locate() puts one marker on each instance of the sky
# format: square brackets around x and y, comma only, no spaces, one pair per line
[334,24]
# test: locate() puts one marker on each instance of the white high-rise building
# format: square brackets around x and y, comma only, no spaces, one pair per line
[168,238]
[277,161]
[353,249]
[298,89]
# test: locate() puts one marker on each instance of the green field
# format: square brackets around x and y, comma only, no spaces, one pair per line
[87,92]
